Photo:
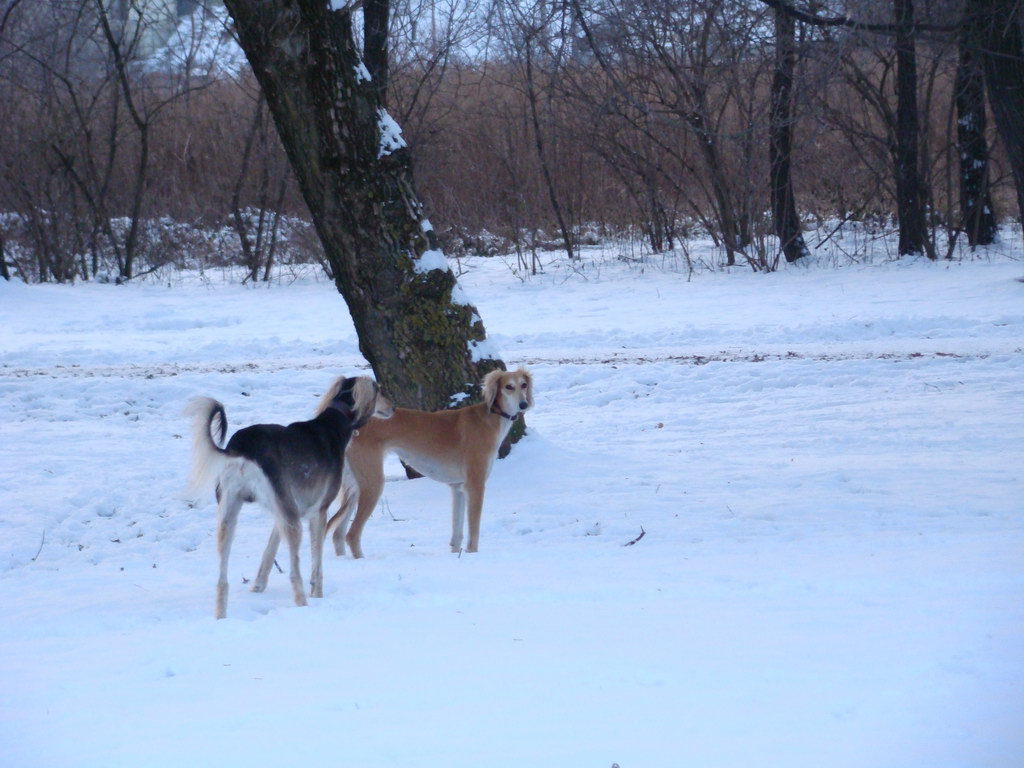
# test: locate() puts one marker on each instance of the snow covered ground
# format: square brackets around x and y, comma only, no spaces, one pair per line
[826,465]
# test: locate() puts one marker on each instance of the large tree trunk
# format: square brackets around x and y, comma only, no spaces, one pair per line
[998,36]
[425,341]
[976,213]
[780,149]
[909,187]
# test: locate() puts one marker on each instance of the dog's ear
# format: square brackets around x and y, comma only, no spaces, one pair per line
[339,389]
[529,385]
[489,387]
[364,399]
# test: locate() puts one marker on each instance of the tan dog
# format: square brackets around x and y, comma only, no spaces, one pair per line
[456,447]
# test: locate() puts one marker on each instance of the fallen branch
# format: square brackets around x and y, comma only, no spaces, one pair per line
[40,546]
[634,541]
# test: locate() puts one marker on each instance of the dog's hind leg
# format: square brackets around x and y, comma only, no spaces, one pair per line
[474,509]
[227,518]
[458,515]
[317,524]
[291,532]
[371,485]
[267,562]
[339,521]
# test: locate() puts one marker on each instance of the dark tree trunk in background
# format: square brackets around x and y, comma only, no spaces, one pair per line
[425,342]
[998,36]
[977,215]
[249,253]
[909,188]
[784,212]
[727,218]
[538,143]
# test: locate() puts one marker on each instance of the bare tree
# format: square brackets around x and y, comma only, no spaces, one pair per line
[258,228]
[989,31]
[529,32]
[689,65]
[784,211]
[995,28]
[82,117]
[425,341]
[910,193]
[977,214]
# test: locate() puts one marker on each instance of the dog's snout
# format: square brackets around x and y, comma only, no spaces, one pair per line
[523,405]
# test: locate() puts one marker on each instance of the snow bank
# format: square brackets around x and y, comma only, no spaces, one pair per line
[826,466]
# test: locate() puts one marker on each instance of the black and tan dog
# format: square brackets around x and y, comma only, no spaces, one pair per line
[294,471]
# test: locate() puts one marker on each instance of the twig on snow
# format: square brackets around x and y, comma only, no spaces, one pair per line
[387,508]
[634,541]
[43,541]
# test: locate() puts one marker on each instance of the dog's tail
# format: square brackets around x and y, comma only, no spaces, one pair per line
[209,427]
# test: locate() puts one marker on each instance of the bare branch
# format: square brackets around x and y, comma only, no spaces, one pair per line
[36,556]
[846,22]
[634,541]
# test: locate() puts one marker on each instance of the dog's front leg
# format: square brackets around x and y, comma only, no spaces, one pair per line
[474,510]
[458,515]
[263,575]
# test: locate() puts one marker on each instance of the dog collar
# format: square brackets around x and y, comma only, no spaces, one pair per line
[496,409]
[350,414]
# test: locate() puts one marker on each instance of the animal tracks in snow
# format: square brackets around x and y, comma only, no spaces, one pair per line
[618,358]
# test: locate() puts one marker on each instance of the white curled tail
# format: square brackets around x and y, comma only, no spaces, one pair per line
[208,420]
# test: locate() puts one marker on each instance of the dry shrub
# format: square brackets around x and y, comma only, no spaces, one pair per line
[621,163]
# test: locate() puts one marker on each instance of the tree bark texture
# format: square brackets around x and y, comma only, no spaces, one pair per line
[780,149]
[976,212]
[425,341]
[909,188]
